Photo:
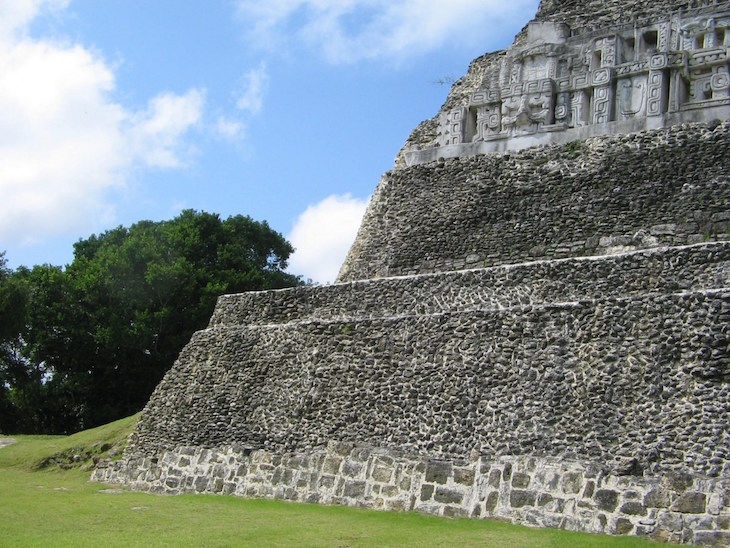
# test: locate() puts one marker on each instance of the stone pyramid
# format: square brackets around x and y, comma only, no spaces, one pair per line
[532,323]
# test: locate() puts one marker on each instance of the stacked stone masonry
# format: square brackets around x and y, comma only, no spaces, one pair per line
[542,492]
[532,333]
[602,195]
[586,16]
[620,384]
[540,282]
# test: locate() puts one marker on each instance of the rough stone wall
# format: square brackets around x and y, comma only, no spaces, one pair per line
[667,186]
[641,377]
[588,15]
[500,287]
[602,406]
[543,492]
[288,384]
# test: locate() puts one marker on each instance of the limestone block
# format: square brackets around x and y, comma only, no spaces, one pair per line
[691,502]
[438,472]
[606,499]
[520,498]
[448,496]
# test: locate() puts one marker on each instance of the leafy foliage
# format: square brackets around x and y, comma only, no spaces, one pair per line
[89,343]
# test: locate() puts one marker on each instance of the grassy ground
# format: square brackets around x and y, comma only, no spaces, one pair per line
[47,500]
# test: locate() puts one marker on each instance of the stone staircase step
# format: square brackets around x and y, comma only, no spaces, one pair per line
[656,270]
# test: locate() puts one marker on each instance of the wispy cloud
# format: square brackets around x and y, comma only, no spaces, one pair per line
[64,141]
[249,102]
[16,14]
[157,133]
[255,83]
[322,236]
[229,129]
[347,31]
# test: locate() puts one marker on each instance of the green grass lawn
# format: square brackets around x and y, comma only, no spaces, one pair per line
[46,499]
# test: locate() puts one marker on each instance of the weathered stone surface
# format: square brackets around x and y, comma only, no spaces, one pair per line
[427,492]
[568,77]
[438,472]
[604,196]
[657,498]
[382,474]
[464,477]
[712,538]
[541,506]
[623,526]
[633,508]
[492,501]
[521,480]
[679,481]
[518,499]
[354,489]
[597,334]
[606,499]
[691,503]
[448,496]
[572,483]
[533,350]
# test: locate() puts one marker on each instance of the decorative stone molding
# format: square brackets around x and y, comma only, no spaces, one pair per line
[558,81]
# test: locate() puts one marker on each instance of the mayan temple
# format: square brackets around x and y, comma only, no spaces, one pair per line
[533,321]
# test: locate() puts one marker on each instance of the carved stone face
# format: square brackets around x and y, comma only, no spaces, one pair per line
[488,121]
[631,97]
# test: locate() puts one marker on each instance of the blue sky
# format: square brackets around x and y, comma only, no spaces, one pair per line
[115,111]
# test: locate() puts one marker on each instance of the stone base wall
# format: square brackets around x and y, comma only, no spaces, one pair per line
[529,490]
[644,377]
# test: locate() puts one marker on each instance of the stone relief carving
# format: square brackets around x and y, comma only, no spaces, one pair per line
[631,97]
[529,108]
[557,81]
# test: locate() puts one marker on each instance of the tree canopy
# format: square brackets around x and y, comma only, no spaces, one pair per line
[87,344]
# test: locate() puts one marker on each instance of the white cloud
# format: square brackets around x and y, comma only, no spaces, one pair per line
[16,14]
[322,236]
[352,30]
[249,102]
[229,129]
[157,133]
[64,141]
[255,83]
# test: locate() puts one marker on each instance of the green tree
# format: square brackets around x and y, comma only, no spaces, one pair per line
[100,334]
[38,407]
[12,313]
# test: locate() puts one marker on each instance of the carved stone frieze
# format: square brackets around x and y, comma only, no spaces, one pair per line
[560,80]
